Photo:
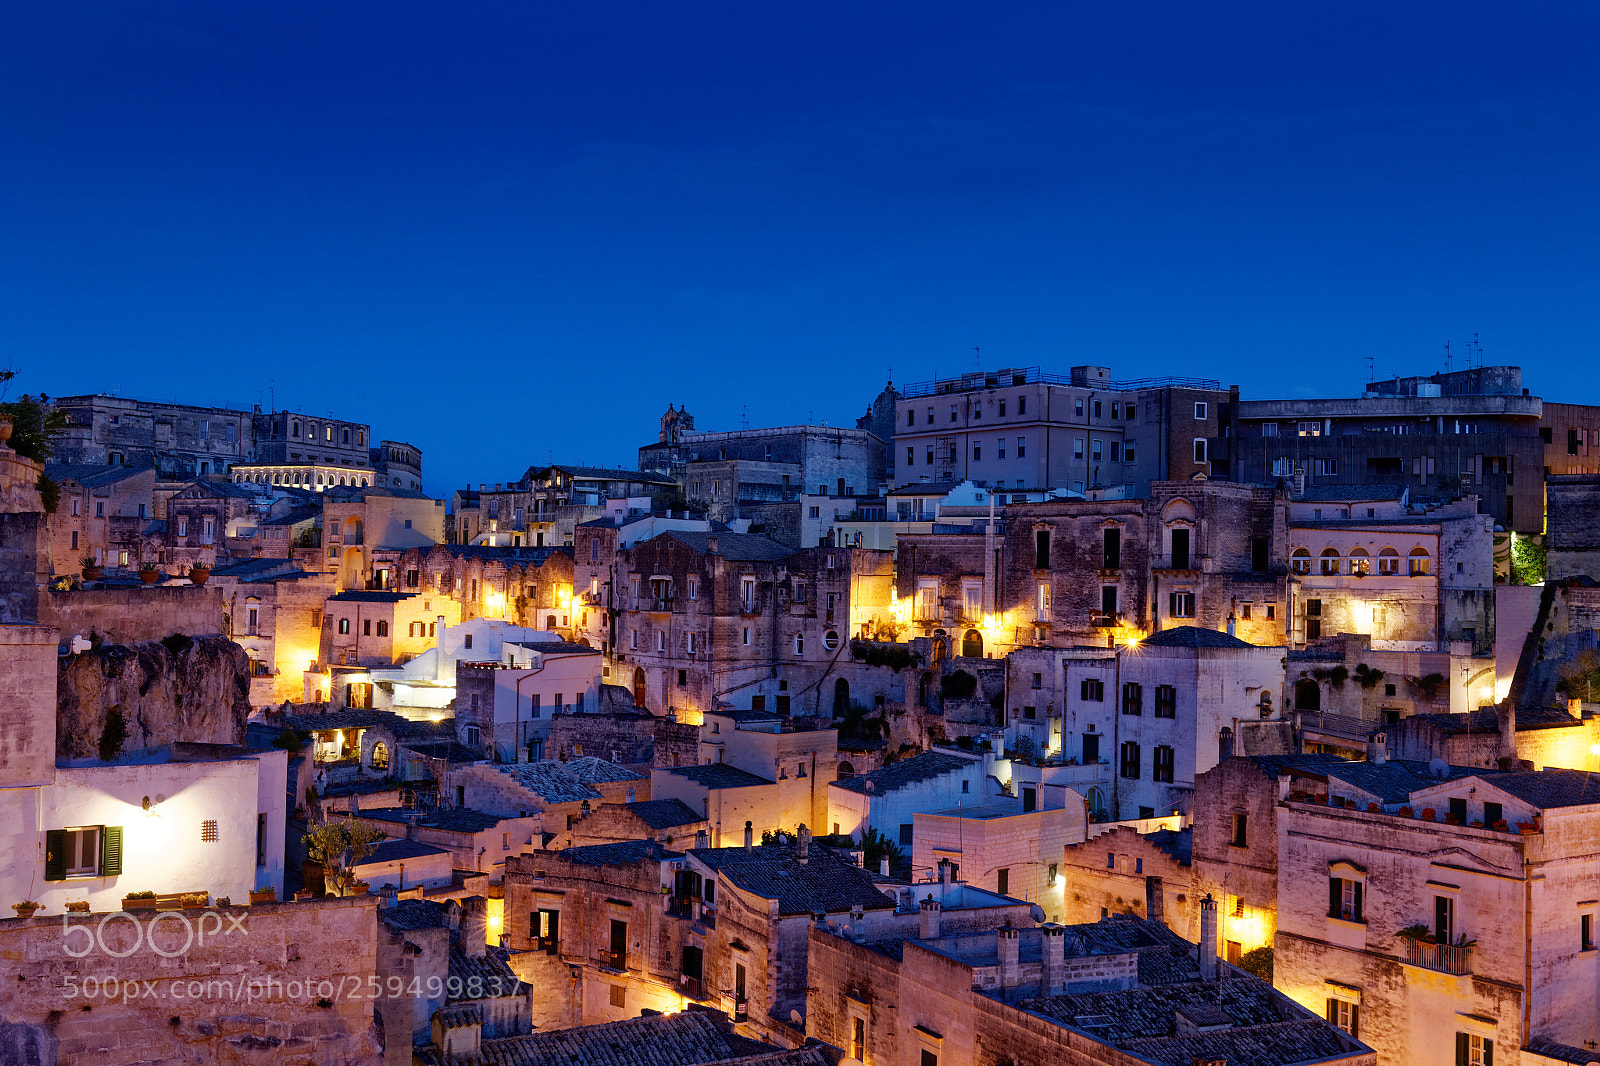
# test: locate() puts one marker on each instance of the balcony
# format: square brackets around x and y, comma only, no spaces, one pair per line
[1103,620]
[691,987]
[1442,958]
[614,960]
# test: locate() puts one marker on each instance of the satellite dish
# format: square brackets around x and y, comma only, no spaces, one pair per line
[1439,768]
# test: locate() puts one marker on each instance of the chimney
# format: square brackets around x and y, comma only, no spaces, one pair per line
[474,926]
[1508,728]
[633,795]
[929,928]
[584,808]
[388,896]
[711,545]
[1208,938]
[749,835]
[1232,623]
[355,805]
[1378,748]
[700,838]
[944,871]
[1053,960]
[883,866]
[803,844]
[1010,964]
[1154,905]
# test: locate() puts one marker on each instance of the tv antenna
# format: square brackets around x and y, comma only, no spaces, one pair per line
[977,358]
[1447,357]
[1372,372]
[744,416]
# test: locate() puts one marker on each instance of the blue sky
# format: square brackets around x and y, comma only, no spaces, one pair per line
[511,233]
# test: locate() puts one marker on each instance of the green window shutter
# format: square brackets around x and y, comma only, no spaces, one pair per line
[1463,1055]
[55,855]
[111,851]
[1355,1021]
[1488,1053]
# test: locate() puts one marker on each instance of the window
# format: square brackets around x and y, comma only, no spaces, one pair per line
[1586,932]
[1111,550]
[1199,412]
[1132,697]
[1130,760]
[905,833]
[1097,450]
[977,450]
[1344,898]
[683,678]
[1474,1050]
[1326,467]
[747,636]
[99,509]
[1419,562]
[1000,448]
[1166,701]
[344,625]
[929,456]
[911,455]
[366,627]
[1097,408]
[858,1039]
[1330,562]
[1116,410]
[1030,712]
[1388,562]
[1002,408]
[1038,681]
[1163,761]
[799,643]
[1360,562]
[952,412]
[1022,447]
[1241,830]
[85,851]
[1300,561]
[1092,690]
[1345,1015]
[1309,429]
[1127,451]
[183,527]
[1444,918]
[74,540]
[1041,549]
[1199,449]
[1108,601]
[1003,880]
[911,416]
[1077,448]
[1181,604]
[1022,405]
[1116,451]
[383,629]
[661,640]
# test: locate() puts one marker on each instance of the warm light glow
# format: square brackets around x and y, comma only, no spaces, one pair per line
[1594,749]
[495,920]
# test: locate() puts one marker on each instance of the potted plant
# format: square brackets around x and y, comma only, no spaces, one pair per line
[1406,811]
[1372,808]
[1527,828]
[77,906]
[6,426]
[91,568]
[1499,826]
[139,901]
[264,895]
[148,572]
[26,908]
[1418,932]
[359,888]
[1428,814]
[199,572]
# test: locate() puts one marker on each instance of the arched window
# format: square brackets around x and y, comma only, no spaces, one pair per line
[846,770]
[1388,562]
[1330,561]
[799,643]
[1225,744]
[1419,561]
[346,438]
[841,697]
[311,431]
[380,756]
[924,688]
[1307,695]
[638,685]
[1359,562]
[1300,561]
[972,644]
[1097,802]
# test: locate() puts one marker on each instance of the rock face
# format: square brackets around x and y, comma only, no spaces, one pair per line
[177,689]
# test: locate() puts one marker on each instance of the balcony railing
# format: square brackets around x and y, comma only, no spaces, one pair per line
[1445,958]
[1102,620]
[616,960]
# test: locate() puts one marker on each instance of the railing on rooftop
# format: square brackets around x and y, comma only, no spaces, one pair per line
[977,380]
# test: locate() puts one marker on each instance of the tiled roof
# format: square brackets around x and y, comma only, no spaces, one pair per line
[555,647]
[750,547]
[620,853]
[92,475]
[592,770]
[456,820]
[1193,637]
[520,556]
[824,882]
[548,780]
[1392,781]
[449,750]
[1550,787]
[353,718]
[603,473]
[407,914]
[907,772]
[399,851]
[720,775]
[1488,720]
[1562,1052]
[370,596]
[690,1038]
[489,972]
[664,814]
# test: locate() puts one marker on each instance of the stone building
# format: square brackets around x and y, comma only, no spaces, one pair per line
[1122,991]
[1572,545]
[178,439]
[1413,578]
[546,505]
[1075,572]
[697,621]
[103,512]
[201,516]
[274,610]
[886,799]
[529,587]
[509,702]
[1025,429]
[362,629]
[1474,430]
[767,463]
[1423,921]
[999,847]
[1121,870]
[366,532]
[668,822]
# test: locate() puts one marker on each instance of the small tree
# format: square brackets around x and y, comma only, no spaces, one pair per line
[340,845]
[875,847]
[1258,962]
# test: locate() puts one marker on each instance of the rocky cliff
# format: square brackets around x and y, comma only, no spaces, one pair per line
[123,697]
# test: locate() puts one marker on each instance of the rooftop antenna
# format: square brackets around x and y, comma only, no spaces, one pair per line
[1477,347]
[1372,372]
[744,416]
[1447,357]
[977,359]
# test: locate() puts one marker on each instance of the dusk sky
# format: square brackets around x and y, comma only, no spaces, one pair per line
[513,233]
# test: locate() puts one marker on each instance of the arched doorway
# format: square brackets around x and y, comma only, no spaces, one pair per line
[550,623]
[583,641]
[638,686]
[1225,744]
[1307,695]
[972,644]
[350,567]
[846,770]
[841,697]
[924,688]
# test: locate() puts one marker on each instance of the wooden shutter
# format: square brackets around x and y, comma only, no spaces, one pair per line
[55,855]
[1335,890]
[1463,1051]
[1488,1052]
[111,851]
[1355,1020]
[1357,914]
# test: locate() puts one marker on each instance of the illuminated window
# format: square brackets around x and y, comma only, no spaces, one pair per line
[208,831]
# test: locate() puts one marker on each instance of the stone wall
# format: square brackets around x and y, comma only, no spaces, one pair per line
[245,994]
[125,616]
[24,565]
[165,691]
